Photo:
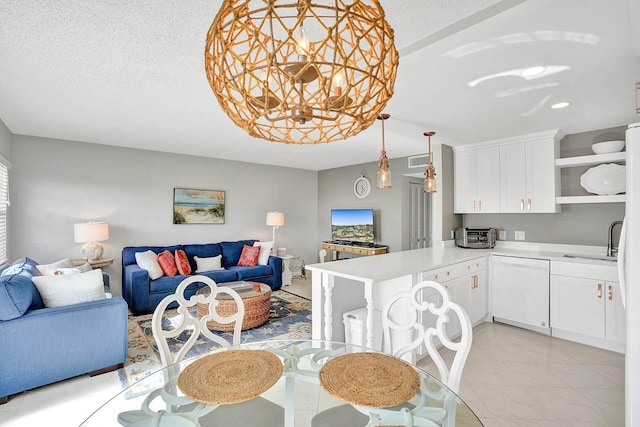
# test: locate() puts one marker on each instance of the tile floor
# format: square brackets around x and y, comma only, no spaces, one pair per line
[512,377]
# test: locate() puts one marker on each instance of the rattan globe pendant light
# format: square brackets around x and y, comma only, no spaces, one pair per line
[301,71]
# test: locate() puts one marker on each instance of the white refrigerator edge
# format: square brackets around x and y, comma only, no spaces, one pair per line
[629,272]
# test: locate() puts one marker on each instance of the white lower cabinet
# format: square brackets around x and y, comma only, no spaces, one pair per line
[585,305]
[466,283]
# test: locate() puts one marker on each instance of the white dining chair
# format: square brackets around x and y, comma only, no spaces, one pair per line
[257,411]
[404,334]
[184,321]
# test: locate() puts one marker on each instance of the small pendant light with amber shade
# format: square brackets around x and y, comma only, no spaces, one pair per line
[384,174]
[430,173]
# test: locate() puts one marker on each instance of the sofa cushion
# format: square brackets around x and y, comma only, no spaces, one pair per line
[231,251]
[265,252]
[208,264]
[249,256]
[149,261]
[50,269]
[245,273]
[168,263]
[129,252]
[26,267]
[23,264]
[169,284]
[182,262]
[16,295]
[68,289]
[201,250]
[221,276]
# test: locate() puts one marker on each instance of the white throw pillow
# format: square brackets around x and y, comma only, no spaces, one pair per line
[149,261]
[208,264]
[50,269]
[79,269]
[67,289]
[265,251]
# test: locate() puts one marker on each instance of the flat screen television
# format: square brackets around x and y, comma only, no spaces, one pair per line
[352,225]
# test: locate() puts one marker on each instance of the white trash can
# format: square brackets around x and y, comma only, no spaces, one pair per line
[355,327]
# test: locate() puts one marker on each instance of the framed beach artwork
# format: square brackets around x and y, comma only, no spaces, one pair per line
[198,206]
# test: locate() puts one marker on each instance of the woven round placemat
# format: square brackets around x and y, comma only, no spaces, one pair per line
[370,379]
[230,376]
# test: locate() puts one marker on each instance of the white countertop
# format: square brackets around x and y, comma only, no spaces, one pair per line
[397,264]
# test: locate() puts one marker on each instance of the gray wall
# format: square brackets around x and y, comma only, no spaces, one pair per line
[580,224]
[56,183]
[5,141]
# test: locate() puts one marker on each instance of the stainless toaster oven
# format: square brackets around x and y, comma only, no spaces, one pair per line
[476,237]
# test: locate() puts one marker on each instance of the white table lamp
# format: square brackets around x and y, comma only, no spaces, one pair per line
[275,220]
[90,233]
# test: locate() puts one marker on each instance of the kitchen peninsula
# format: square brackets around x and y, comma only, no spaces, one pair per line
[341,286]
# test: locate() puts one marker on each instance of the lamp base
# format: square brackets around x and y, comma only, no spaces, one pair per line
[92,251]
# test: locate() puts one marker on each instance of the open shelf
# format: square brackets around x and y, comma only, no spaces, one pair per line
[617,198]
[591,160]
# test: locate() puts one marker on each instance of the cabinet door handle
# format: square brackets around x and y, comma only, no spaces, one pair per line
[610,292]
[475,281]
[521,204]
[599,290]
[474,205]
[479,205]
[528,204]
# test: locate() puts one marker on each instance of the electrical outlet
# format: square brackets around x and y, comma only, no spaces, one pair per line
[502,235]
[519,235]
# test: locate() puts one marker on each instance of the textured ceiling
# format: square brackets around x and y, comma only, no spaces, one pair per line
[131,73]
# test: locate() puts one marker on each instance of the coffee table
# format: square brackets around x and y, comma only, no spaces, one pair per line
[257,304]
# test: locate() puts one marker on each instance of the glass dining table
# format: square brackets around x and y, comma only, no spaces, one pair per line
[287,383]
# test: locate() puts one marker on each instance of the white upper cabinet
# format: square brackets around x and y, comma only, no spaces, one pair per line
[511,175]
[477,181]
[528,176]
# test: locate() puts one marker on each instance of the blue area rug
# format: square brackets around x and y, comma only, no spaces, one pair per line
[290,317]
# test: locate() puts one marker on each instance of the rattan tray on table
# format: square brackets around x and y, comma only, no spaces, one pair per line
[257,304]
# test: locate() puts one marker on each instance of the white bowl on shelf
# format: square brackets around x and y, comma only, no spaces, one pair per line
[607,147]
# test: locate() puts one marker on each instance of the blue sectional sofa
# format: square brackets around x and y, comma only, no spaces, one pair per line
[40,345]
[143,294]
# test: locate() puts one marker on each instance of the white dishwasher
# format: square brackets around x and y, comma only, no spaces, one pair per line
[520,292]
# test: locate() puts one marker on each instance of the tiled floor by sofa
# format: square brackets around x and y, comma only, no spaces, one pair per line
[514,377]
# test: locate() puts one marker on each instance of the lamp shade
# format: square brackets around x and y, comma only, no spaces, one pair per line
[275,219]
[90,232]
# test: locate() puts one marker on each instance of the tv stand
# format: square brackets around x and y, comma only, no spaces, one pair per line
[358,248]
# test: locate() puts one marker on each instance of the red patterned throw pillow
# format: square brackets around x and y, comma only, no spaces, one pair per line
[167,263]
[249,256]
[182,263]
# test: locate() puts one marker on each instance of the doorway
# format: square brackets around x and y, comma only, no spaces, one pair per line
[419,216]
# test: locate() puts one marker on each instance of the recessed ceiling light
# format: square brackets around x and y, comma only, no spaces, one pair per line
[560,105]
[532,71]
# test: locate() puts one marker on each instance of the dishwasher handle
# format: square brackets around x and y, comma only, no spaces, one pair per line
[520,262]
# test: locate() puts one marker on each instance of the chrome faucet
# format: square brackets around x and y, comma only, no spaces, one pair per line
[611,249]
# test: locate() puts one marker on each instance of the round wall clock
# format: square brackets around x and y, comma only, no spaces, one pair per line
[362,187]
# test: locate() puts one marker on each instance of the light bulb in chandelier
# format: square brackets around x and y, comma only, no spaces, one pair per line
[339,99]
[430,172]
[302,44]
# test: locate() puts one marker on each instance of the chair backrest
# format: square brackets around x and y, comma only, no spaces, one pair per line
[405,332]
[184,320]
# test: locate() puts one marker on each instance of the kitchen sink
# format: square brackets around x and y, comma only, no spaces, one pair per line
[596,257]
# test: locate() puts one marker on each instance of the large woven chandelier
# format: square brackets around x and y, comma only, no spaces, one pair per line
[301,71]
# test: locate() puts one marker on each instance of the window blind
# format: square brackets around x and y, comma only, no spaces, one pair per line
[4,206]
